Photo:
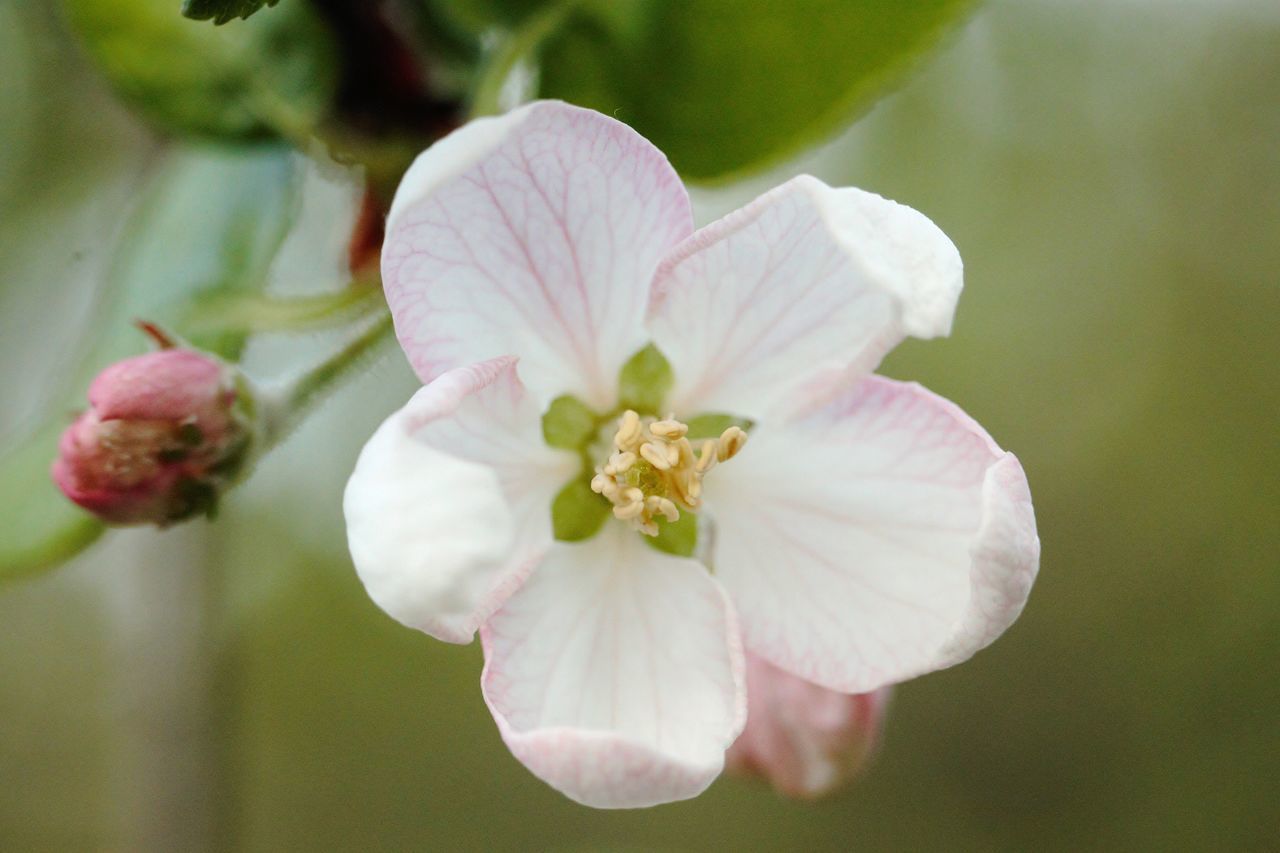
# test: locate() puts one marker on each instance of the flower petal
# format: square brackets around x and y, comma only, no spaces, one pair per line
[616,673]
[880,537]
[806,288]
[535,234]
[448,508]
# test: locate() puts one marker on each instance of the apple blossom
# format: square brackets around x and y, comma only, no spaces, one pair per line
[164,433]
[598,375]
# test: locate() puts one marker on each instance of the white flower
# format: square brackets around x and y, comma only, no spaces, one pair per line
[867,532]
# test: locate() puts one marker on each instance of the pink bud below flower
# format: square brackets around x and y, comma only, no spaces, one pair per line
[804,739]
[163,435]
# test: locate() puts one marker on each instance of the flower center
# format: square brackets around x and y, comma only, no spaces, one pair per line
[653,472]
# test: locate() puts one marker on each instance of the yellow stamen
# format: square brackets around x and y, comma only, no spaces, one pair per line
[707,460]
[654,471]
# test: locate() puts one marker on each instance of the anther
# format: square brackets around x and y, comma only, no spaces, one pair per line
[669,429]
[730,442]
[621,461]
[628,511]
[686,459]
[707,460]
[668,509]
[655,457]
[694,491]
[629,431]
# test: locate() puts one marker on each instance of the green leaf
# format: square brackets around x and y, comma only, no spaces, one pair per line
[568,423]
[577,512]
[272,75]
[645,380]
[221,11]
[679,537]
[725,86]
[209,222]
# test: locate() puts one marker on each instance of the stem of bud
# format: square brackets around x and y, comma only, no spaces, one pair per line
[284,409]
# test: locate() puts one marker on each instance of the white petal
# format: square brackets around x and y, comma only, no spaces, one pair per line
[616,673]
[534,234]
[448,508]
[806,288]
[883,536]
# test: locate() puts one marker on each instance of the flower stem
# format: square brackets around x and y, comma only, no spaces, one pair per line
[509,51]
[286,410]
[258,313]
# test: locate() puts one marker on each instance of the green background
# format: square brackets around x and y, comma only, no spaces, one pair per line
[1111,174]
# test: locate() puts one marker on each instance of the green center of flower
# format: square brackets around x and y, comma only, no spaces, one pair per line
[645,470]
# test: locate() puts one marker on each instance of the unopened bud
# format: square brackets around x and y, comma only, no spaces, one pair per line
[165,433]
[805,740]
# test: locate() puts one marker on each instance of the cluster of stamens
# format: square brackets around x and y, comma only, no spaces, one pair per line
[653,471]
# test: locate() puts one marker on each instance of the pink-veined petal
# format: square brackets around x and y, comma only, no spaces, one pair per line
[804,289]
[533,234]
[448,508]
[881,536]
[615,673]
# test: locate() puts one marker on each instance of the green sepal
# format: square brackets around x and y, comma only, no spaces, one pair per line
[645,381]
[712,424]
[222,11]
[577,513]
[568,423]
[679,538]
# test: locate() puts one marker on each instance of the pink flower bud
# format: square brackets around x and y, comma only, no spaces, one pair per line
[805,739]
[164,433]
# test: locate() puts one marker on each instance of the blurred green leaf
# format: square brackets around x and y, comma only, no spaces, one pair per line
[724,86]
[475,17]
[221,11]
[210,222]
[273,75]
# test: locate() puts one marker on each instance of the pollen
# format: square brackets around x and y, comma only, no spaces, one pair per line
[653,471]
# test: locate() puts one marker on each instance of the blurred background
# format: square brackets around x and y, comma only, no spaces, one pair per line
[1110,170]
